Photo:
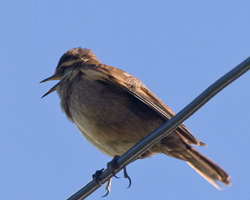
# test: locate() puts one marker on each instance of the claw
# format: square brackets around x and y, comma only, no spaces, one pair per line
[116,176]
[108,187]
[125,174]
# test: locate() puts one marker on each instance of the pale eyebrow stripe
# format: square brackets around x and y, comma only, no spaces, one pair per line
[70,62]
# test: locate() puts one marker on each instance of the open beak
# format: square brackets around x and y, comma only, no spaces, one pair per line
[51,79]
[54,87]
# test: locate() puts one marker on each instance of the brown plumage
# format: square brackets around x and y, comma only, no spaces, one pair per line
[114,110]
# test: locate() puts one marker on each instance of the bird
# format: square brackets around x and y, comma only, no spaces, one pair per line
[114,110]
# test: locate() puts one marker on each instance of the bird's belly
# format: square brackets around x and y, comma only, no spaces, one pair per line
[108,140]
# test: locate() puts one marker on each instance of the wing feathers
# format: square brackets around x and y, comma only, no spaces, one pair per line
[136,88]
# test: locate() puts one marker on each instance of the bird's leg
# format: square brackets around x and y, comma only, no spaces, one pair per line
[112,165]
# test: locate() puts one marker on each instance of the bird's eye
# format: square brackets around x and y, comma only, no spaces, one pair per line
[62,69]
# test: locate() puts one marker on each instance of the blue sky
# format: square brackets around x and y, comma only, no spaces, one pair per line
[177,48]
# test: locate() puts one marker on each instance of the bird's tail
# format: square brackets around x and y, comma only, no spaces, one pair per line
[207,168]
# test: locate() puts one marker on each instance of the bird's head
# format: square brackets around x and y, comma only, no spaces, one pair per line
[70,60]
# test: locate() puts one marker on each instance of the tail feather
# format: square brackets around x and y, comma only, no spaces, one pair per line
[207,168]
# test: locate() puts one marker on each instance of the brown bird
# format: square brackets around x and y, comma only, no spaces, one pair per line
[114,110]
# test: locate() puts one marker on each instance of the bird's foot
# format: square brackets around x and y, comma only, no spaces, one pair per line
[96,176]
[112,165]
[97,179]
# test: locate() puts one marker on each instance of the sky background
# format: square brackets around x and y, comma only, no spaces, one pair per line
[177,48]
